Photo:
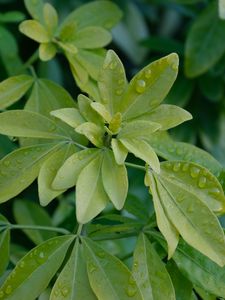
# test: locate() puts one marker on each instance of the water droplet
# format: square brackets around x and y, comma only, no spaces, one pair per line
[119,92]
[135,264]
[22,264]
[120,81]
[112,65]
[195,172]
[180,199]
[41,255]
[148,73]
[140,86]
[8,289]
[171,149]
[185,167]
[101,254]
[176,167]
[65,292]
[215,191]
[202,181]
[174,67]
[131,290]
[1,294]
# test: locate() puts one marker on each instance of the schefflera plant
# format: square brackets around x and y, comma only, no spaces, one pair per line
[121,121]
[80,37]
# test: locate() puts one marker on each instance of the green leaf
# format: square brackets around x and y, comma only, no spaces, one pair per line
[98,13]
[169,149]
[34,271]
[149,87]
[183,287]
[47,51]
[114,179]
[205,44]
[4,246]
[84,105]
[35,31]
[12,16]
[112,82]
[91,197]
[109,282]
[22,123]
[142,150]
[192,218]
[30,213]
[120,152]
[50,18]
[93,133]
[92,37]
[21,167]
[67,175]
[150,273]
[168,116]
[13,88]
[200,270]
[48,173]
[35,9]
[222,9]
[71,116]
[197,180]
[166,227]
[102,111]
[138,129]
[72,282]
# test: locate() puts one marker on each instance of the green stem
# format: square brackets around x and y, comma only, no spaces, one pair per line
[37,227]
[134,166]
[79,145]
[30,61]
[121,236]
[79,230]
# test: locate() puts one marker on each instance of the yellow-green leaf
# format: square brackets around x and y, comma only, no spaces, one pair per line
[120,152]
[91,197]
[112,82]
[70,116]
[67,175]
[102,111]
[150,272]
[50,18]
[84,105]
[73,283]
[35,9]
[114,179]
[34,271]
[34,30]
[109,278]
[47,51]
[142,150]
[13,88]
[149,87]
[4,246]
[93,133]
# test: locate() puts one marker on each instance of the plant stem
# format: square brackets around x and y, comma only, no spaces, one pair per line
[37,227]
[79,230]
[134,166]
[30,61]
[79,145]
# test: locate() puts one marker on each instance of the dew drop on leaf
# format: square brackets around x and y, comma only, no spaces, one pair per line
[113,65]
[215,191]
[176,167]
[119,92]
[140,86]
[148,73]
[202,182]
[65,292]
[22,264]
[185,167]
[194,172]
[8,289]
[101,254]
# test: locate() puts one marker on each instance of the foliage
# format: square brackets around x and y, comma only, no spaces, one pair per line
[111,239]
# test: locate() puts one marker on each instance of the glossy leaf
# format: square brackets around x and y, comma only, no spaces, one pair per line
[35,31]
[92,132]
[166,227]
[112,82]
[35,9]
[197,180]
[200,270]
[47,51]
[30,213]
[142,150]
[21,167]
[169,149]
[92,37]
[4,246]
[13,88]
[115,179]
[138,130]
[91,197]
[73,282]
[34,271]
[22,123]
[102,111]
[109,282]
[204,44]
[98,13]
[50,18]
[150,273]
[168,116]
[149,87]
[120,152]
[192,218]
[68,173]
[84,105]
[71,116]
[48,173]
